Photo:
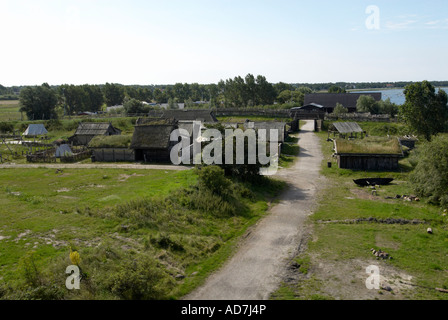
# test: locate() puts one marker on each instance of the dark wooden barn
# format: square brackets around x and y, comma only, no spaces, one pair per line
[205,116]
[330,100]
[151,143]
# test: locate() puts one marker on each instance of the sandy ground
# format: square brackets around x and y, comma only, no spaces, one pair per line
[95,166]
[257,268]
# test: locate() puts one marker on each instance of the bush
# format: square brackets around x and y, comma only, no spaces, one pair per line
[6,127]
[141,279]
[430,176]
[213,179]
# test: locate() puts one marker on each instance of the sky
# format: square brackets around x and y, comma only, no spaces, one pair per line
[204,41]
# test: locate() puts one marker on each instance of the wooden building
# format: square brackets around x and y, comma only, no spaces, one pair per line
[151,142]
[368,158]
[329,100]
[87,131]
[268,125]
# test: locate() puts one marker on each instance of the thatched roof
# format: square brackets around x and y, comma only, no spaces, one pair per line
[96,129]
[192,115]
[329,100]
[152,136]
[156,121]
[115,141]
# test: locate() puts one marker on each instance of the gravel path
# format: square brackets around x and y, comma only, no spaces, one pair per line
[254,272]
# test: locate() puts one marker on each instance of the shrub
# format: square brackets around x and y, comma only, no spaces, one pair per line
[213,179]
[140,279]
[6,127]
[430,176]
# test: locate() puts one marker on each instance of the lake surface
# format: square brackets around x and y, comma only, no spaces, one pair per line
[395,95]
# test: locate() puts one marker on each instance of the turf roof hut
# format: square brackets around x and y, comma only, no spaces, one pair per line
[87,131]
[151,140]
[371,154]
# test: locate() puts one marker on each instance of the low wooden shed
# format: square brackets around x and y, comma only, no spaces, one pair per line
[362,157]
[87,131]
[151,143]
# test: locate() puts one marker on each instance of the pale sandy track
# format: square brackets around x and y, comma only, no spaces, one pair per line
[254,272]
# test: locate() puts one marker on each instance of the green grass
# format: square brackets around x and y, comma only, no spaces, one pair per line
[414,251]
[113,217]
[371,145]
[9,111]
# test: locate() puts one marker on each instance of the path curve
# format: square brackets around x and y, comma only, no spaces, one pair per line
[254,272]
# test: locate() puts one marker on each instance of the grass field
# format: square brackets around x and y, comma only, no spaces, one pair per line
[9,111]
[350,221]
[128,226]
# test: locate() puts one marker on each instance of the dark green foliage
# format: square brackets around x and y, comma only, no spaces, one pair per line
[213,178]
[6,127]
[336,89]
[113,94]
[430,176]
[39,103]
[140,279]
[340,109]
[425,111]
[134,106]
[367,104]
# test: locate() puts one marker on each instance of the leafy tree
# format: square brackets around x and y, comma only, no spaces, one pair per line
[336,89]
[388,107]
[367,103]
[172,104]
[265,91]
[340,109]
[39,103]
[425,111]
[430,176]
[134,106]
[160,96]
[113,94]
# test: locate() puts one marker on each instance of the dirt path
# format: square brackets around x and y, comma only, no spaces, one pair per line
[254,272]
[94,166]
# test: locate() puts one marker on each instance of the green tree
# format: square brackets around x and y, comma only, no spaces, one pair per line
[336,89]
[425,111]
[340,109]
[430,176]
[134,106]
[39,103]
[388,107]
[113,94]
[367,103]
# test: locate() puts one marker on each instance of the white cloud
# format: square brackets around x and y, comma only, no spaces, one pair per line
[400,25]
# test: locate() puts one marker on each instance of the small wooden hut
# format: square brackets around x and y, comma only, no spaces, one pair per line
[87,131]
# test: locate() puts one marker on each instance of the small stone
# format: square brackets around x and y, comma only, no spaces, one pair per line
[194,273]
[180,277]
[387,288]
[429,230]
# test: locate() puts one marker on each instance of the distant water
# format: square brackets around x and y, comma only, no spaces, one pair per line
[395,95]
